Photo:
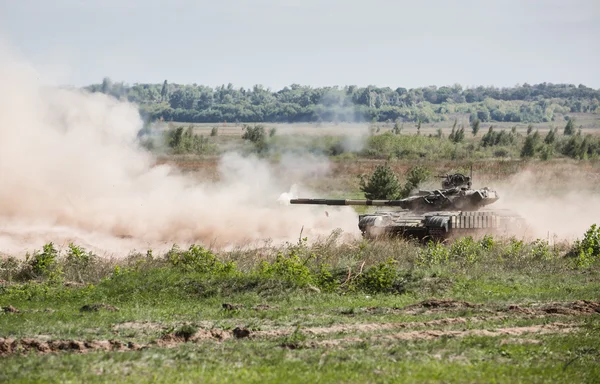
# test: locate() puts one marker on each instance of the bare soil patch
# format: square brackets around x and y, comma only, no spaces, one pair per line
[438,305]
[26,345]
[10,309]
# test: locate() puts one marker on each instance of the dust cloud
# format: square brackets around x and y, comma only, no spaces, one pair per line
[72,170]
[559,204]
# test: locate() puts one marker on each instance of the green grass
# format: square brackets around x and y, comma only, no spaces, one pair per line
[564,358]
[342,330]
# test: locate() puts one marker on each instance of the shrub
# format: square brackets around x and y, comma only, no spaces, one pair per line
[288,268]
[587,250]
[540,249]
[198,259]
[79,263]
[257,135]
[182,141]
[465,249]
[44,264]
[382,277]
[433,254]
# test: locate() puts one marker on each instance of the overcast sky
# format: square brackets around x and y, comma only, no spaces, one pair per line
[311,42]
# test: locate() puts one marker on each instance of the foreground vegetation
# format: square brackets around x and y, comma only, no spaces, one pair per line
[489,309]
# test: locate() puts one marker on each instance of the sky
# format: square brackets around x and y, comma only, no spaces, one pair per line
[277,43]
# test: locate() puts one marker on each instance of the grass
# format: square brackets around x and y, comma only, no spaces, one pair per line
[559,359]
[491,317]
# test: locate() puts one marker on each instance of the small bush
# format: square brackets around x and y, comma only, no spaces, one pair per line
[433,254]
[540,250]
[380,278]
[288,268]
[465,249]
[587,250]
[183,141]
[45,264]
[257,135]
[199,259]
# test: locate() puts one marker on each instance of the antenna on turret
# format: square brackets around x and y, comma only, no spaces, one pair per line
[471,175]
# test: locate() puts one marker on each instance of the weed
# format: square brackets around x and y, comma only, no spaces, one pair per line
[434,253]
[466,249]
[487,242]
[186,331]
[541,250]
[199,259]
[587,250]
[382,277]
[289,268]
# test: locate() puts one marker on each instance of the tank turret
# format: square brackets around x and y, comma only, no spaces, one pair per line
[456,194]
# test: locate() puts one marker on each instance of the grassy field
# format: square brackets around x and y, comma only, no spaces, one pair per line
[590,123]
[495,310]
[500,310]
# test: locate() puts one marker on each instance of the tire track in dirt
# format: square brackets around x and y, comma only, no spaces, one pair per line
[435,306]
[578,308]
[10,346]
[552,328]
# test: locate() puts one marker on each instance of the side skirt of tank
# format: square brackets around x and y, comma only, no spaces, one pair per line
[448,226]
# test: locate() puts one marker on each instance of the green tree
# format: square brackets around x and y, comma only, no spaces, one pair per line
[457,136]
[163,91]
[570,127]
[530,146]
[475,126]
[550,136]
[414,177]
[382,184]
[397,128]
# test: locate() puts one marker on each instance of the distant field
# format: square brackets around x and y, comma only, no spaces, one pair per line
[590,123]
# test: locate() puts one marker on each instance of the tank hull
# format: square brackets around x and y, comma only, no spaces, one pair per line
[440,225]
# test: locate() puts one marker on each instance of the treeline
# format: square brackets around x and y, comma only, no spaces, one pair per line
[296,103]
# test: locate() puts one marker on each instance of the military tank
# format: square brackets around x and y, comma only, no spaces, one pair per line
[452,211]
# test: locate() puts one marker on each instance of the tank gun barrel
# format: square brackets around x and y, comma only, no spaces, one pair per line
[385,203]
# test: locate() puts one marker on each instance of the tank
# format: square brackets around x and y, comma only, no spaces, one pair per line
[454,210]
